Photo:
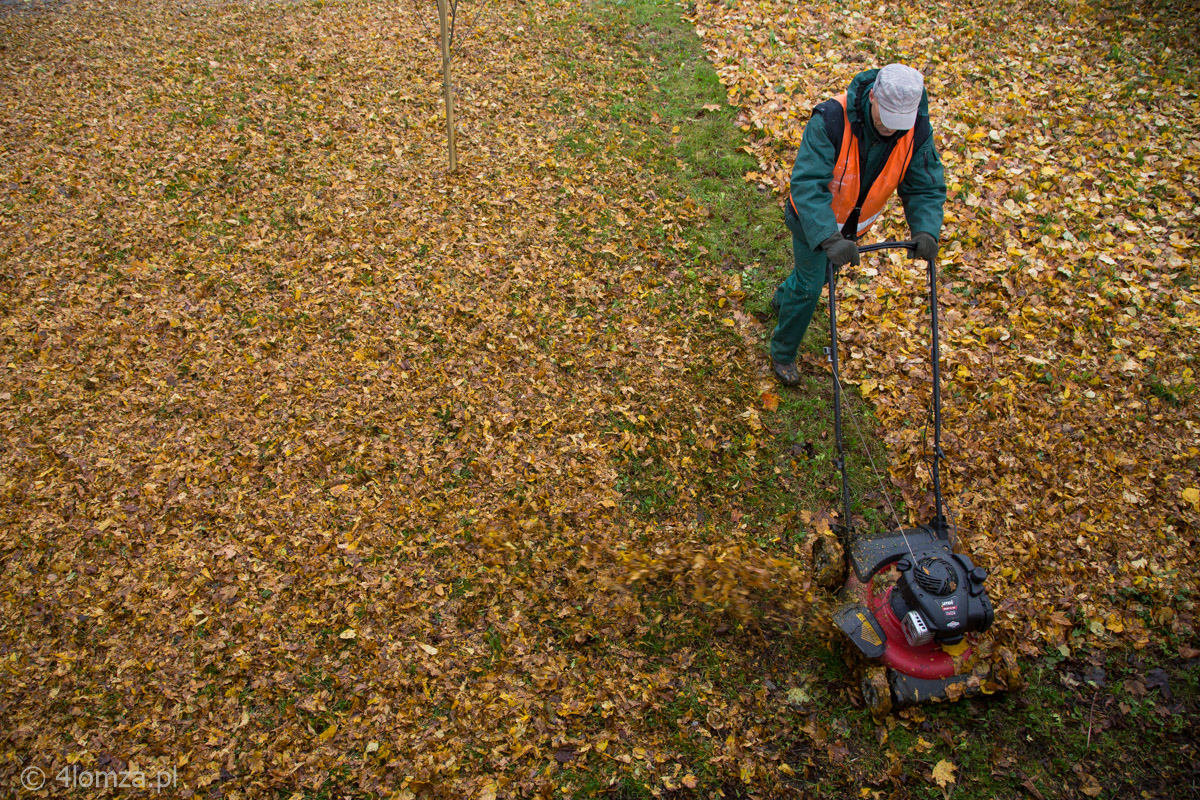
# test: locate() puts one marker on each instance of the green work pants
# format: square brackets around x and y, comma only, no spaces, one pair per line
[797,298]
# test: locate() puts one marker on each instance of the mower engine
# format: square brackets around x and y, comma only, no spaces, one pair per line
[940,596]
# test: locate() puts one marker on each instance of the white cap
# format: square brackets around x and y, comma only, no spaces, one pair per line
[898,91]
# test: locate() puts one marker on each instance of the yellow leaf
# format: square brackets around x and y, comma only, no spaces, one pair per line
[943,773]
[1192,495]
[433,651]
[349,633]
[328,733]
[955,649]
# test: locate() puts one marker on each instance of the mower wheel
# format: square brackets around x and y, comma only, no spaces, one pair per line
[828,562]
[877,691]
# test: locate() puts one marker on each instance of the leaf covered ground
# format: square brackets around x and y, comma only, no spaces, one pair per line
[329,474]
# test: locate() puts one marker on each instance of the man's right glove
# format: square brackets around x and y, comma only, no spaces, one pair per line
[841,251]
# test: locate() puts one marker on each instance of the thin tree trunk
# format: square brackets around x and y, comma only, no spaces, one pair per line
[443,13]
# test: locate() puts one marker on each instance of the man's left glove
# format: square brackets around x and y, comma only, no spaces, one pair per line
[927,246]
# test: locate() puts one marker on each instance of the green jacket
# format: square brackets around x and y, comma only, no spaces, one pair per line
[923,190]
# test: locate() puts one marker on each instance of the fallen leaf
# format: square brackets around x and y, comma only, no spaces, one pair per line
[798,696]
[1028,786]
[943,773]
[1158,679]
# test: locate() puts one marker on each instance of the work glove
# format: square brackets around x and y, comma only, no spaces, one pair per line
[840,251]
[927,246]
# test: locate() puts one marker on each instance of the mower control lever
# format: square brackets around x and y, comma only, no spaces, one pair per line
[891,244]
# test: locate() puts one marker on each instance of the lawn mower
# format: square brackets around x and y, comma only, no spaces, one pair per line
[909,603]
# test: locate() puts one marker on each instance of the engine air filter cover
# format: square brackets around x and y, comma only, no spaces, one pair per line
[936,576]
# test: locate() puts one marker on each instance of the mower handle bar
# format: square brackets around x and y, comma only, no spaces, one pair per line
[910,246]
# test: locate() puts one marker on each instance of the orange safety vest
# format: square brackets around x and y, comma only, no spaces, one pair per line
[845,184]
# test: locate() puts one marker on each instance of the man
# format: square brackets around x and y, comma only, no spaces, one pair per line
[858,149]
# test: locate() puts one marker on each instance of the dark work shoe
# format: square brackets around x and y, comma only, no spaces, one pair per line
[787,374]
